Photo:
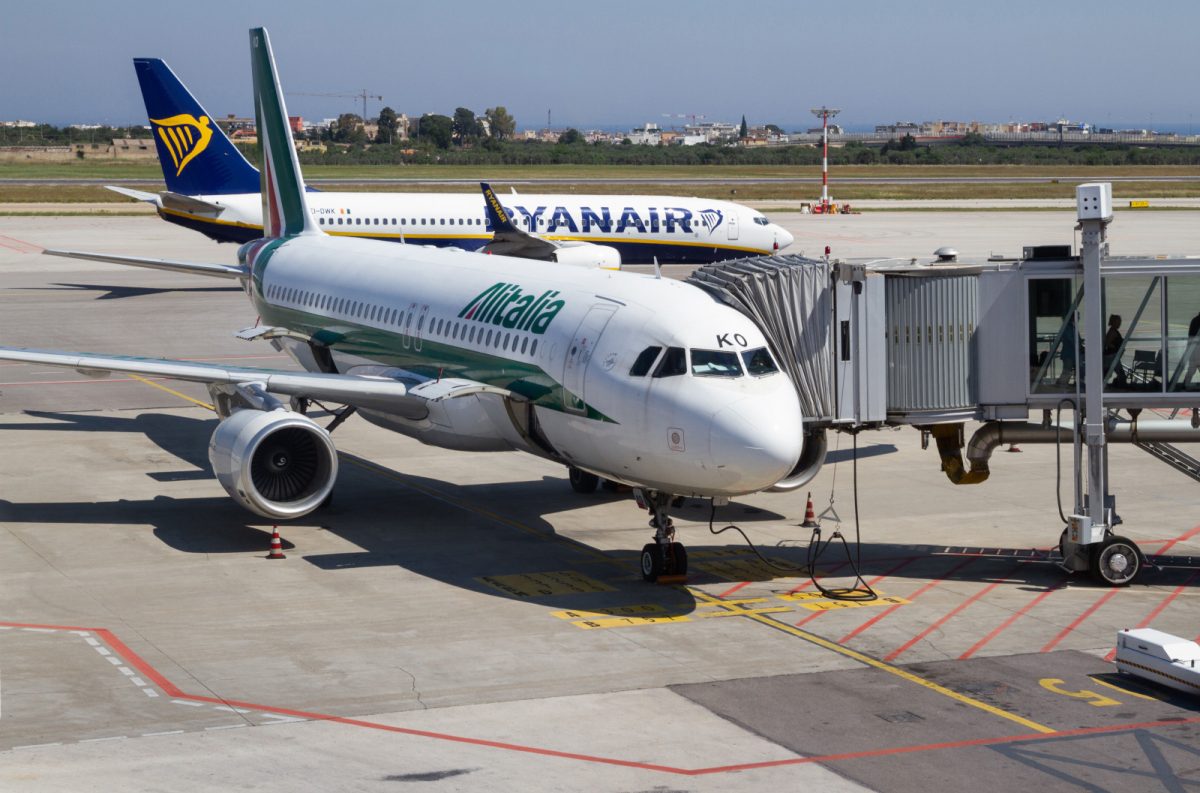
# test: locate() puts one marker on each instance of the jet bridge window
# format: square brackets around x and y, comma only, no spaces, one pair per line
[644,361]
[715,363]
[759,362]
[673,363]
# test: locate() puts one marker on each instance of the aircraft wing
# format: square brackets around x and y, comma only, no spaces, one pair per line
[378,392]
[174,265]
[507,239]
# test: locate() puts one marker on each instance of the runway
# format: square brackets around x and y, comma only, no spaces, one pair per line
[467,621]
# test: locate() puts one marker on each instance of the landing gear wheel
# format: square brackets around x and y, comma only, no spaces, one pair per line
[677,559]
[652,561]
[299,405]
[582,481]
[1116,561]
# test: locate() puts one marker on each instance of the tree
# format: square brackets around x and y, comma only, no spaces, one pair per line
[437,129]
[388,124]
[501,125]
[466,128]
[774,129]
[744,132]
[570,136]
[349,129]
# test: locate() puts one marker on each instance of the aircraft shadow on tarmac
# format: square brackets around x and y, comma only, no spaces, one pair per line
[118,292]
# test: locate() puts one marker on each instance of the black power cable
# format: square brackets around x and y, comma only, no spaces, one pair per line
[815,550]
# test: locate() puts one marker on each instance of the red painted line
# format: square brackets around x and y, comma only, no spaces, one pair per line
[20,246]
[1008,622]
[1037,738]
[913,596]
[1158,609]
[907,645]
[1109,595]
[136,661]
[733,589]
[870,583]
[1181,538]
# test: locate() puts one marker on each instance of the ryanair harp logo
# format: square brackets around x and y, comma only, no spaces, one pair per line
[184,137]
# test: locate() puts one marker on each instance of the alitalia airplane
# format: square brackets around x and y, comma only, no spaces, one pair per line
[640,380]
[213,189]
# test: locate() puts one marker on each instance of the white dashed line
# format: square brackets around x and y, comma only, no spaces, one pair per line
[137,681]
[112,659]
[189,704]
[93,642]
[38,745]
[102,740]
[231,710]
[82,633]
[40,630]
[149,692]
[102,650]
[125,670]
[164,732]
[227,727]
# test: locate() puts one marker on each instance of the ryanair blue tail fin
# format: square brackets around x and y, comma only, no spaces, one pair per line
[196,156]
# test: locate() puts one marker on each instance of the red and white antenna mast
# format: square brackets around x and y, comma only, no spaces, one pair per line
[825,113]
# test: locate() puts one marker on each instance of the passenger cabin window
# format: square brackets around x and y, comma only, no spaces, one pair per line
[673,363]
[715,363]
[644,361]
[759,362]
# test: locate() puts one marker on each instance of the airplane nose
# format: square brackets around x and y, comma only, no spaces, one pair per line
[783,238]
[757,441]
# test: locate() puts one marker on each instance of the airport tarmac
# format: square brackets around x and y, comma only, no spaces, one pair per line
[467,622]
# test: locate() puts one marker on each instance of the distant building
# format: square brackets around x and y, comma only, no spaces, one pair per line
[648,134]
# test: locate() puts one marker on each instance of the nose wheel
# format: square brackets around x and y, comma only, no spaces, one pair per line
[663,557]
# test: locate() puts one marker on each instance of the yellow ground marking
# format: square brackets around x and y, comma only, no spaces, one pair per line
[1115,687]
[834,605]
[172,392]
[743,612]
[532,585]
[627,622]
[885,667]
[1093,698]
[802,596]
[639,610]
[745,570]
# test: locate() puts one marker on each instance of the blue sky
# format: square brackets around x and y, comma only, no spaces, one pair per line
[619,62]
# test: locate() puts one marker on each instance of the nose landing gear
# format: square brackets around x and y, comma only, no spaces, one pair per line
[663,557]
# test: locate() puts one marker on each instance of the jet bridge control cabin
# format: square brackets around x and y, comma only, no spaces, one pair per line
[936,344]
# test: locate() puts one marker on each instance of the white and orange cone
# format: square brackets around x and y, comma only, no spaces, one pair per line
[276,545]
[810,515]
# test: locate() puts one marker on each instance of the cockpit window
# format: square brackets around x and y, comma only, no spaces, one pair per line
[672,364]
[762,221]
[644,361]
[759,362]
[713,363]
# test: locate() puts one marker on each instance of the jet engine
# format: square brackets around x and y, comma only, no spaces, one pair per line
[812,457]
[587,254]
[276,463]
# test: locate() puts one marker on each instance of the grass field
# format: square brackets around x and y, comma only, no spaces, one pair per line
[848,183]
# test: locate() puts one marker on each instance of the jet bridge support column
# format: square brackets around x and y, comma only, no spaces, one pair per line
[1088,543]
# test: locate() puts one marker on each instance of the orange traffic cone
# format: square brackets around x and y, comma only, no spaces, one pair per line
[810,516]
[276,546]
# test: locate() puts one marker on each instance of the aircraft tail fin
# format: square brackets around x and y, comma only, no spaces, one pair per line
[196,156]
[285,210]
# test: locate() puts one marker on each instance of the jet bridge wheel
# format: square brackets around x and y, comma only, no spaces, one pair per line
[1116,561]
[582,481]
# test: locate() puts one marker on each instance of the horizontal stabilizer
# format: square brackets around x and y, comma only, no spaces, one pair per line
[194,268]
[137,195]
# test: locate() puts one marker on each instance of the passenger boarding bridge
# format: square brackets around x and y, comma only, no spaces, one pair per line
[937,344]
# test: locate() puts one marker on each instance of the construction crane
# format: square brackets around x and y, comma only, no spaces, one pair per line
[363,95]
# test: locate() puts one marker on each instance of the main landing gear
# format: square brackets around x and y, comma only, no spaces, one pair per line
[663,556]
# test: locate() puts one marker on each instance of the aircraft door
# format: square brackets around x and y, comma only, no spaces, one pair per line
[731,223]
[580,353]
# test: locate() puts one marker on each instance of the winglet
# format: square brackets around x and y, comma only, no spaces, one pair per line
[285,212]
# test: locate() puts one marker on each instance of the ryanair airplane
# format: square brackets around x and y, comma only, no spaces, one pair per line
[641,380]
[213,189]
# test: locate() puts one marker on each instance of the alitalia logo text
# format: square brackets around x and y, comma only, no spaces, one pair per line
[507,306]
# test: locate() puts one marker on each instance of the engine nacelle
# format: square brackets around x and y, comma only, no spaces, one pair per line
[274,463]
[812,457]
[588,254]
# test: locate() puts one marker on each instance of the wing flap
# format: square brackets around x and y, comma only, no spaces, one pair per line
[173,265]
[367,391]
